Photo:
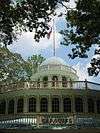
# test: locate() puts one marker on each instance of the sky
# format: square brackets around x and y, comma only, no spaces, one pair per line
[26,46]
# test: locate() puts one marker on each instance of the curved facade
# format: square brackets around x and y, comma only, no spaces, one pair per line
[53,98]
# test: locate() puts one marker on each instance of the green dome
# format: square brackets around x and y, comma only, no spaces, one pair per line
[54,61]
[55,66]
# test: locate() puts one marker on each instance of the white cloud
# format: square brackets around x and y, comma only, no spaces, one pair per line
[97,56]
[82,72]
[70,4]
[26,45]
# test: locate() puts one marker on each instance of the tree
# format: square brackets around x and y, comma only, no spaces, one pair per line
[83,32]
[24,15]
[33,62]
[17,16]
[12,67]
[33,15]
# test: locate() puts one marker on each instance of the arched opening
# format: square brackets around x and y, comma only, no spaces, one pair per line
[44,105]
[64,81]
[90,106]
[38,83]
[55,105]
[45,81]
[98,106]
[2,107]
[32,104]
[67,105]
[11,107]
[20,105]
[78,105]
[54,81]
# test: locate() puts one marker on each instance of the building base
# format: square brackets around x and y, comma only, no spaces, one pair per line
[88,130]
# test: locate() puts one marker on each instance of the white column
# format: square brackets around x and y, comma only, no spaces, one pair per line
[41,82]
[26,85]
[25,105]
[61,104]
[49,82]
[6,111]
[38,104]
[68,84]
[60,81]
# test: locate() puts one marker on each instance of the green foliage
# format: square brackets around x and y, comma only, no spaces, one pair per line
[94,68]
[33,63]
[24,15]
[12,66]
[83,23]
[83,32]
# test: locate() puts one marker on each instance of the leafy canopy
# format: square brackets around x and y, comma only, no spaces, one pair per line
[24,15]
[33,62]
[33,15]
[83,32]
[13,68]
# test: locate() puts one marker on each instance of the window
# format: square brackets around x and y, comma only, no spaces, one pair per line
[54,81]
[55,105]
[32,104]
[78,105]
[38,83]
[71,83]
[11,107]
[64,82]
[67,105]
[2,107]
[20,105]
[45,81]
[98,106]
[44,105]
[90,106]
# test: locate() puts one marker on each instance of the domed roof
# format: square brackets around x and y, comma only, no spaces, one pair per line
[53,61]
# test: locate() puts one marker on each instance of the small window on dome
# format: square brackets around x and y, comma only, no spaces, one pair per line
[45,81]
[64,81]
[54,81]
[38,83]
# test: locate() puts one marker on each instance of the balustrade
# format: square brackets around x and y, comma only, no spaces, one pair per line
[49,84]
[49,121]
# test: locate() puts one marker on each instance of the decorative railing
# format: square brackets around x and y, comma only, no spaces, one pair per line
[49,121]
[49,85]
[57,67]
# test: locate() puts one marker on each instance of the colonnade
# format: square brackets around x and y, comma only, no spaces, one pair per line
[74,105]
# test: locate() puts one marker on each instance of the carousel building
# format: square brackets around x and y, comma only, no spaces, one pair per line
[53,98]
